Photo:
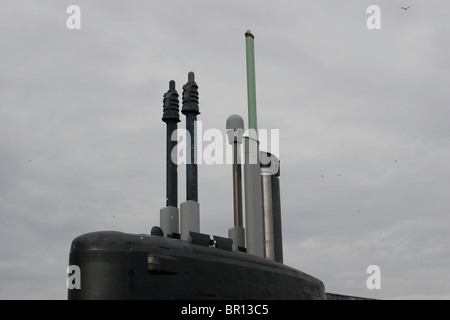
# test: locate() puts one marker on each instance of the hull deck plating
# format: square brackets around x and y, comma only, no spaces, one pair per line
[116,265]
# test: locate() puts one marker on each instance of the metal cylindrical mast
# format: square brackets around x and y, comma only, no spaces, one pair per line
[190,209]
[273,240]
[277,230]
[251,85]
[169,216]
[171,118]
[235,132]
[269,241]
[237,188]
[190,110]
[252,172]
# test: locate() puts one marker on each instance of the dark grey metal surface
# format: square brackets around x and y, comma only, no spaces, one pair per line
[171,117]
[277,226]
[237,187]
[116,265]
[191,110]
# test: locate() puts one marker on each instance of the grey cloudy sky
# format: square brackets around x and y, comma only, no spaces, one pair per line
[363,118]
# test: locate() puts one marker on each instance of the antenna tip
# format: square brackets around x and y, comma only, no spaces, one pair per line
[249,34]
[191,77]
[171,85]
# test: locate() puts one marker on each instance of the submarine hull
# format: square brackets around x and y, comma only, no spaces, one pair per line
[117,265]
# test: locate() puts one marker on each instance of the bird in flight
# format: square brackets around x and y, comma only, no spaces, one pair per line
[406,8]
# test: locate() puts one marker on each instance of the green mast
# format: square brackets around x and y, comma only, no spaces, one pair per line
[251,86]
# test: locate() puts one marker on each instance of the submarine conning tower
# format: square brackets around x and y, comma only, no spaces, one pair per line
[175,261]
